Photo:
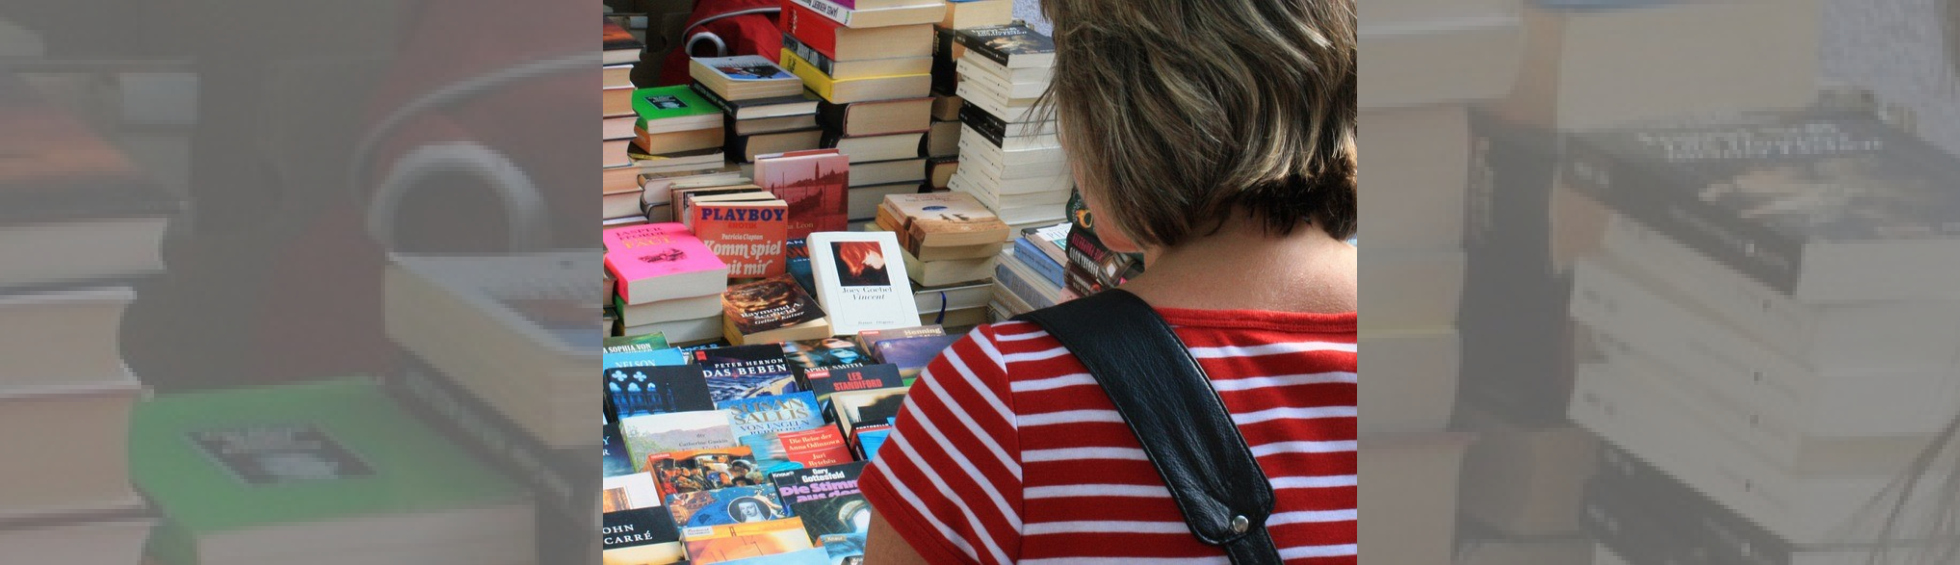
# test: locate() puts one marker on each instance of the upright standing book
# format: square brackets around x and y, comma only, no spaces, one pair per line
[813,182]
[861,281]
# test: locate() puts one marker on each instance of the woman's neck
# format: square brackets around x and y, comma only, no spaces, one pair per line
[1244,268]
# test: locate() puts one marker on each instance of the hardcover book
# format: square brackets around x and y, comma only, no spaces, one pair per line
[1798,200]
[813,183]
[640,391]
[744,77]
[650,435]
[748,236]
[637,529]
[861,281]
[619,45]
[703,469]
[720,544]
[1013,46]
[662,262]
[912,354]
[799,104]
[776,413]
[725,506]
[842,43]
[827,353]
[746,371]
[859,68]
[772,310]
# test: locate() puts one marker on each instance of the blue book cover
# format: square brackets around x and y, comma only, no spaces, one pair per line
[746,371]
[618,462]
[643,358]
[1026,252]
[725,506]
[639,391]
[774,413]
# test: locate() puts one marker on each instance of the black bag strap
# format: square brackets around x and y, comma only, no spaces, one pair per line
[1169,403]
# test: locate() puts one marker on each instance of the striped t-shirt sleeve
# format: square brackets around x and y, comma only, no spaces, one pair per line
[949,477]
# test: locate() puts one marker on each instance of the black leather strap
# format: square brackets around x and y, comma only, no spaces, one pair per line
[1170,405]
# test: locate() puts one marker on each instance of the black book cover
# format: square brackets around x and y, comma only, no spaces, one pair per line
[746,371]
[1002,44]
[1739,539]
[1753,190]
[992,128]
[637,391]
[562,479]
[799,486]
[1514,329]
[769,304]
[828,381]
[833,510]
[637,527]
[945,69]
[617,460]
[1637,536]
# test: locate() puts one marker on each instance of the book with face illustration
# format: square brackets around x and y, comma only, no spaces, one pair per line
[861,281]
[726,506]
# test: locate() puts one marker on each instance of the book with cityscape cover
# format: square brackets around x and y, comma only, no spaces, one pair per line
[643,390]
[813,182]
[766,306]
[774,413]
[746,371]
[1013,46]
[1797,200]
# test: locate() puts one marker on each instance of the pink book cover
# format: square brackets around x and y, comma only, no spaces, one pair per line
[635,253]
[813,183]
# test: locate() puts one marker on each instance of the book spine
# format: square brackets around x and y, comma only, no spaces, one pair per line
[945,71]
[1021,288]
[1732,535]
[561,479]
[1668,203]
[810,55]
[990,127]
[833,117]
[1029,254]
[810,29]
[1637,537]
[813,78]
[825,8]
[979,45]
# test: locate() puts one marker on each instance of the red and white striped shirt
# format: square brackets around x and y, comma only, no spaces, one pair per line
[1007,451]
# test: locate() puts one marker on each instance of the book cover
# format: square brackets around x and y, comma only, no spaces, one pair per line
[641,391]
[745,68]
[861,281]
[832,352]
[870,338]
[560,479]
[775,413]
[616,38]
[719,544]
[238,459]
[670,102]
[825,382]
[748,236]
[817,484]
[813,183]
[943,218]
[768,305]
[1012,46]
[704,469]
[648,358]
[833,510]
[651,435]
[787,451]
[636,528]
[866,407]
[640,256]
[725,506]
[796,260]
[812,556]
[871,437]
[746,371]
[617,460]
[912,354]
[633,343]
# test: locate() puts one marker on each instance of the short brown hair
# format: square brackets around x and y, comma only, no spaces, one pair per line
[1179,112]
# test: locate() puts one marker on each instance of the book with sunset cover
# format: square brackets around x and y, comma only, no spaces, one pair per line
[813,183]
[662,262]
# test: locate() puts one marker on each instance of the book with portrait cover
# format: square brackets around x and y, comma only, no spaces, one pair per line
[654,434]
[787,451]
[639,391]
[772,310]
[1014,46]
[825,353]
[861,281]
[662,262]
[637,529]
[747,235]
[774,413]
[813,183]
[703,469]
[746,371]
[725,506]
[1810,203]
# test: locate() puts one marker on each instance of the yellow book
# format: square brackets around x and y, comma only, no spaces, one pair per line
[856,90]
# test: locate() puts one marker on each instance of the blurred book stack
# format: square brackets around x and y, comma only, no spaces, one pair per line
[79,225]
[1009,157]
[1524,224]
[1429,62]
[869,61]
[1751,371]
[950,241]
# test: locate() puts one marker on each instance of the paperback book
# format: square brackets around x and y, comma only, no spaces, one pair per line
[787,451]
[703,469]
[775,413]
[746,235]
[772,310]
[655,262]
[720,544]
[865,407]
[746,371]
[827,353]
[654,434]
[912,354]
[861,281]
[725,506]
[636,529]
[833,510]
[640,391]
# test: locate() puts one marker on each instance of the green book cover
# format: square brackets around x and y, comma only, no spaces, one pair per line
[231,460]
[670,102]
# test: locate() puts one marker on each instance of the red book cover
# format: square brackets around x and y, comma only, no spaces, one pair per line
[748,236]
[816,448]
[811,28]
[813,184]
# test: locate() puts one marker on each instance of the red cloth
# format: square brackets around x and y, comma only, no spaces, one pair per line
[1006,450]
[748,34]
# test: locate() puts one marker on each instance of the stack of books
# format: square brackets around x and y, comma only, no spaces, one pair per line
[869,62]
[1524,224]
[1010,158]
[1032,273]
[950,241]
[667,281]
[764,108]
[620,51]
[1092,266]
[1751,372]
[675,123]
[941,146]
[81,224]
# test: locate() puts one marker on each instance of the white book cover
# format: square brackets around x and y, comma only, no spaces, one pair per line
[861,281]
